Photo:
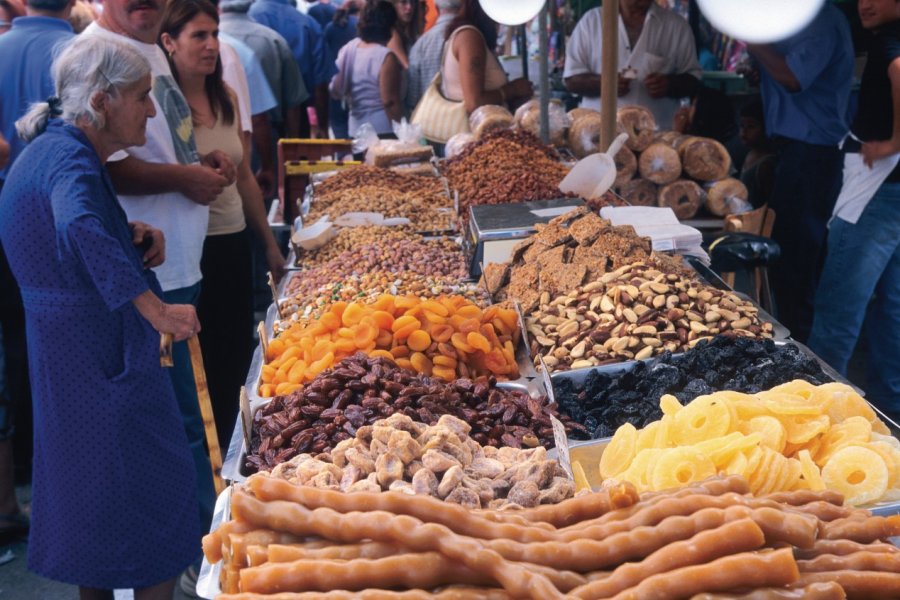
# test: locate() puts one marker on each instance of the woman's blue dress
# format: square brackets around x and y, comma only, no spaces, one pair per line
[114,495]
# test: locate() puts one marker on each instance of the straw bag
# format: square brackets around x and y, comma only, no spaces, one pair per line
[439,118]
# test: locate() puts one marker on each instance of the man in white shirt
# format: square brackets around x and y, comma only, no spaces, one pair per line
[657,59]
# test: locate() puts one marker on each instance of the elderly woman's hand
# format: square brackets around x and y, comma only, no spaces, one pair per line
[150,241]
[181,321]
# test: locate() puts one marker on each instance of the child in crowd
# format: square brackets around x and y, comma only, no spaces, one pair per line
[758,169]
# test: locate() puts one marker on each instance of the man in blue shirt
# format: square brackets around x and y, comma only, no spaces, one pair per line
[805,84]
[27,51]
[305,38]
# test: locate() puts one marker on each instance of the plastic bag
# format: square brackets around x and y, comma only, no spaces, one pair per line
[405,150]
[457,144]
[365,137]
[528,117]
[489,117]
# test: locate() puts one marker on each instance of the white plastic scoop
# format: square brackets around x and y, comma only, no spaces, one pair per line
[593,175]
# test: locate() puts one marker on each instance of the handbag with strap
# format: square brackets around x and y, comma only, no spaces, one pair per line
[439,118]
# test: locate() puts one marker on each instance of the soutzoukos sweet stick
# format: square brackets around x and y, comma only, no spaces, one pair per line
[859,585]
[841,547]
[857,561]
[450,593]
[815,591]
[861,530]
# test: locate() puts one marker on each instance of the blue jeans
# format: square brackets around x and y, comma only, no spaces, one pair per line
[182,374]
[338,118]
[864,261]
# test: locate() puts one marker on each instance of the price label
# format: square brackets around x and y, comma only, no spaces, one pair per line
[246,418]
[548,382]
[562,446]
[263,340]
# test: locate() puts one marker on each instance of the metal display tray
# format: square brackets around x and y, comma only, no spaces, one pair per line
[208,580]
[235,458]
[592,450]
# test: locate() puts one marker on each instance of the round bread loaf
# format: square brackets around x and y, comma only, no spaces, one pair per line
[528,117]
[639,124]
[666,137]
[639,192]
[577,113]
[584,134]
[626,166]
[684,197]
[719,192]
[705,159]
[489,118]
[660,164]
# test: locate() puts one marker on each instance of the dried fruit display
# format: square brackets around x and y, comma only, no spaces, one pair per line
[700,542]
[367,287]
[748,365]
[360,390]
[575,248]
[633,313]
[447,337]
[439,460]
[796,436]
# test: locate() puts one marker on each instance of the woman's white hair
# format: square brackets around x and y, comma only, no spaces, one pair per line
[84,66]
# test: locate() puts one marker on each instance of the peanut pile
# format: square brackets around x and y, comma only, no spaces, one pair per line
[426,212]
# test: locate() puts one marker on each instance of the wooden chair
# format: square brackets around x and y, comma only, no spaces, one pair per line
[760,222]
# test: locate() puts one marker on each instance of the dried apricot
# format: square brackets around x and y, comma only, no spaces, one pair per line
[384,339]
[276,347]
[444,373]
[441,333]
[418,340]
[447,350]
[405,321]
[487,330]
[478,341]
[381,354]
[352,314]
[469,311]
[365,335]
[330,320]
[283,389]
[345,346]
[459,342]
[346,332]
[320,365]
[444,361]
[435,307]
[404,363]
[399,352]
[433,317]
[267,390]
[383,319]
[295,375]
[421,363]
[384,302]
[470,325]
[495,362]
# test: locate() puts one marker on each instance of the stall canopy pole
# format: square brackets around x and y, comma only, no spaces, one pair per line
[544,89]
[523,48]
[609,78]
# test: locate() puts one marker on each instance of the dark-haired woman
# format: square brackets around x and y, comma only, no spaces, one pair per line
[407,29]
[471,72]
[370,78]
[189,35]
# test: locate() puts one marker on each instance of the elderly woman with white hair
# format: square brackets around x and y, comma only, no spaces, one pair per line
[114,495]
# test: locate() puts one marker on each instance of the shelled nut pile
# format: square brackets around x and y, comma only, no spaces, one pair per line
[572,249]
[634,312]
[425,258]
[360,390]
[348,238]
[504,166]
[698,542]
[365,175]
[439,460]
[367,287]
[425,212]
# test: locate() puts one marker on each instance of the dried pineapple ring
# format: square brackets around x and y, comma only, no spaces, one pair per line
[810,471]
[855,430]
[663,437]
[722,450]
[790,404]
[669,404]
[858,473]
[678,467]
[745,406]
[770,429]
[620,451]
[794,471]
[890,457]
[640,471]
[580,477]
[847,403]
[737,465]
[647,436]
[757,477]
[802,428]
[706,417]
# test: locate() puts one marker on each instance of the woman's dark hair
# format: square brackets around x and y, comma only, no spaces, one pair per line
[713,115]
[410,32]
[377,22]
[471,13]
[753,109]
[342,15]
[177,15]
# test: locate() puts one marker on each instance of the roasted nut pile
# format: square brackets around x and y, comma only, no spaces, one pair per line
[360,390]
[440,460]
[425,258]
[634,312]
[747,365]
[447,337]
[709,541]
[348,238]
[575,248]
[425,212]
[365,175]
[367,287]
[504,166]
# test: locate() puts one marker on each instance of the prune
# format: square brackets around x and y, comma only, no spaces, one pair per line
[606,401]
